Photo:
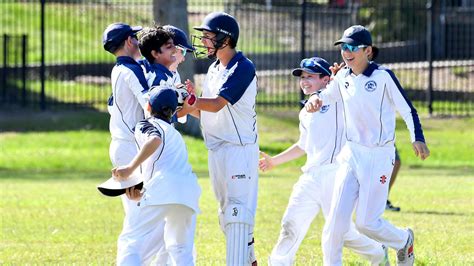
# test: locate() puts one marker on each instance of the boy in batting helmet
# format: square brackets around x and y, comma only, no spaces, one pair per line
[227,113]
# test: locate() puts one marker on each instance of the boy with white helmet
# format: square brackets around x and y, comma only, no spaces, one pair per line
[321,140]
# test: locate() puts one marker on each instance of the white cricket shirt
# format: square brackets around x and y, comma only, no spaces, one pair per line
[167,173]
[236,122]
[369,102]
[127,102]
[321,135]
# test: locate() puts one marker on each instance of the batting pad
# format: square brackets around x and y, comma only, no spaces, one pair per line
[238,223]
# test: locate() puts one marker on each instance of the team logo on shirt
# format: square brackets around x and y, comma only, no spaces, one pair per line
[383,179]
[370,86]
[238,177]
[324,109]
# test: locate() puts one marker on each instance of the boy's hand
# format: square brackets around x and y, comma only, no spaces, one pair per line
[133,193]
[314,104]
[421,150]
[121,173]
[265,163]
[335,68]
[190,87]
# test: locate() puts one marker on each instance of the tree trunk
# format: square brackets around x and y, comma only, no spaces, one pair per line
[175,13]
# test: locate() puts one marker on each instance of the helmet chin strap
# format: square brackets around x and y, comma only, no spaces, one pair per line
[218,45]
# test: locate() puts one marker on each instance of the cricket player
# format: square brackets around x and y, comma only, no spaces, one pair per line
[321,140]
[370,95]
[157,46]
[156,253]
[229,124]
[171,192]
[127,103]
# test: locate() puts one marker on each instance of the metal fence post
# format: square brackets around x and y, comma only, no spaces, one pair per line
[43,67]
[24,45]
[5,67]
[429,55]
[303,35]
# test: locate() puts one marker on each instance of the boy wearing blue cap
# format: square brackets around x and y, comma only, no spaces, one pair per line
[171,193]
[370,95]
[127,103]
[180,40]
[321,140]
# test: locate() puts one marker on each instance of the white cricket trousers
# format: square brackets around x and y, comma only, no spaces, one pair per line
[233,170]
[155,249]
[144,220]
[363,177]
[313,192]
[122,152]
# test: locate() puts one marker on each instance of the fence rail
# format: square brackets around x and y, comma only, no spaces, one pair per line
[430,49]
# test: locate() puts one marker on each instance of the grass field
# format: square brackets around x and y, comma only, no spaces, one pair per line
[52,213]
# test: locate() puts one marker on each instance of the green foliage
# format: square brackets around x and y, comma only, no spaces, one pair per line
[393,21]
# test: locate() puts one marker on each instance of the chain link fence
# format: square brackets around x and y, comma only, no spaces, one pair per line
[429,45]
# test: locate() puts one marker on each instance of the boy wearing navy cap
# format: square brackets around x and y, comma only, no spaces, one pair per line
[127,103]
[171,193]
[180,40]
[370,95]
[321,140]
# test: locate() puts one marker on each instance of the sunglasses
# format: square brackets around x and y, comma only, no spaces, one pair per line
[183,51]
[351,48]
[307,63]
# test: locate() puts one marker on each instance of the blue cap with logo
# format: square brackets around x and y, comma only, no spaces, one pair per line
[116,33]
[179,37]
[356,35]
[313,65]
[162,97]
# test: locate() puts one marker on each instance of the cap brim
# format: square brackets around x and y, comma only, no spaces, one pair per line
[201,28]
[298,71]
[136,28]
[188,48]
[113,187]
[348,41]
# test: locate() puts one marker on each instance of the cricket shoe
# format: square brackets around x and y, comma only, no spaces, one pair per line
[390,207]
[406,255]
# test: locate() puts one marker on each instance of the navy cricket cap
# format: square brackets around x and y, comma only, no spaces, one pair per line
[356,35]
[162,97]
[179,37]
[313,65]
[116,33]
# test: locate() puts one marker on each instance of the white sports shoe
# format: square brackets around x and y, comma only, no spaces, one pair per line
[406,256]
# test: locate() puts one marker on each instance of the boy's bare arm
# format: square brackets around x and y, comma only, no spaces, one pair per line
[267,163]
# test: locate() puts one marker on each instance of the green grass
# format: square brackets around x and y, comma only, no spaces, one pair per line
[52,213]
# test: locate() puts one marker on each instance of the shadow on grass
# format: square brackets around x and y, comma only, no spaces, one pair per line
[25,120]
[52,175]
[437,213]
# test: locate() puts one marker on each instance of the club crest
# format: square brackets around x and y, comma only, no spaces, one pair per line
[370,86]
[324,109]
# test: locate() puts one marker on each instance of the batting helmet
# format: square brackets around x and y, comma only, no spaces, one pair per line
[222,24]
